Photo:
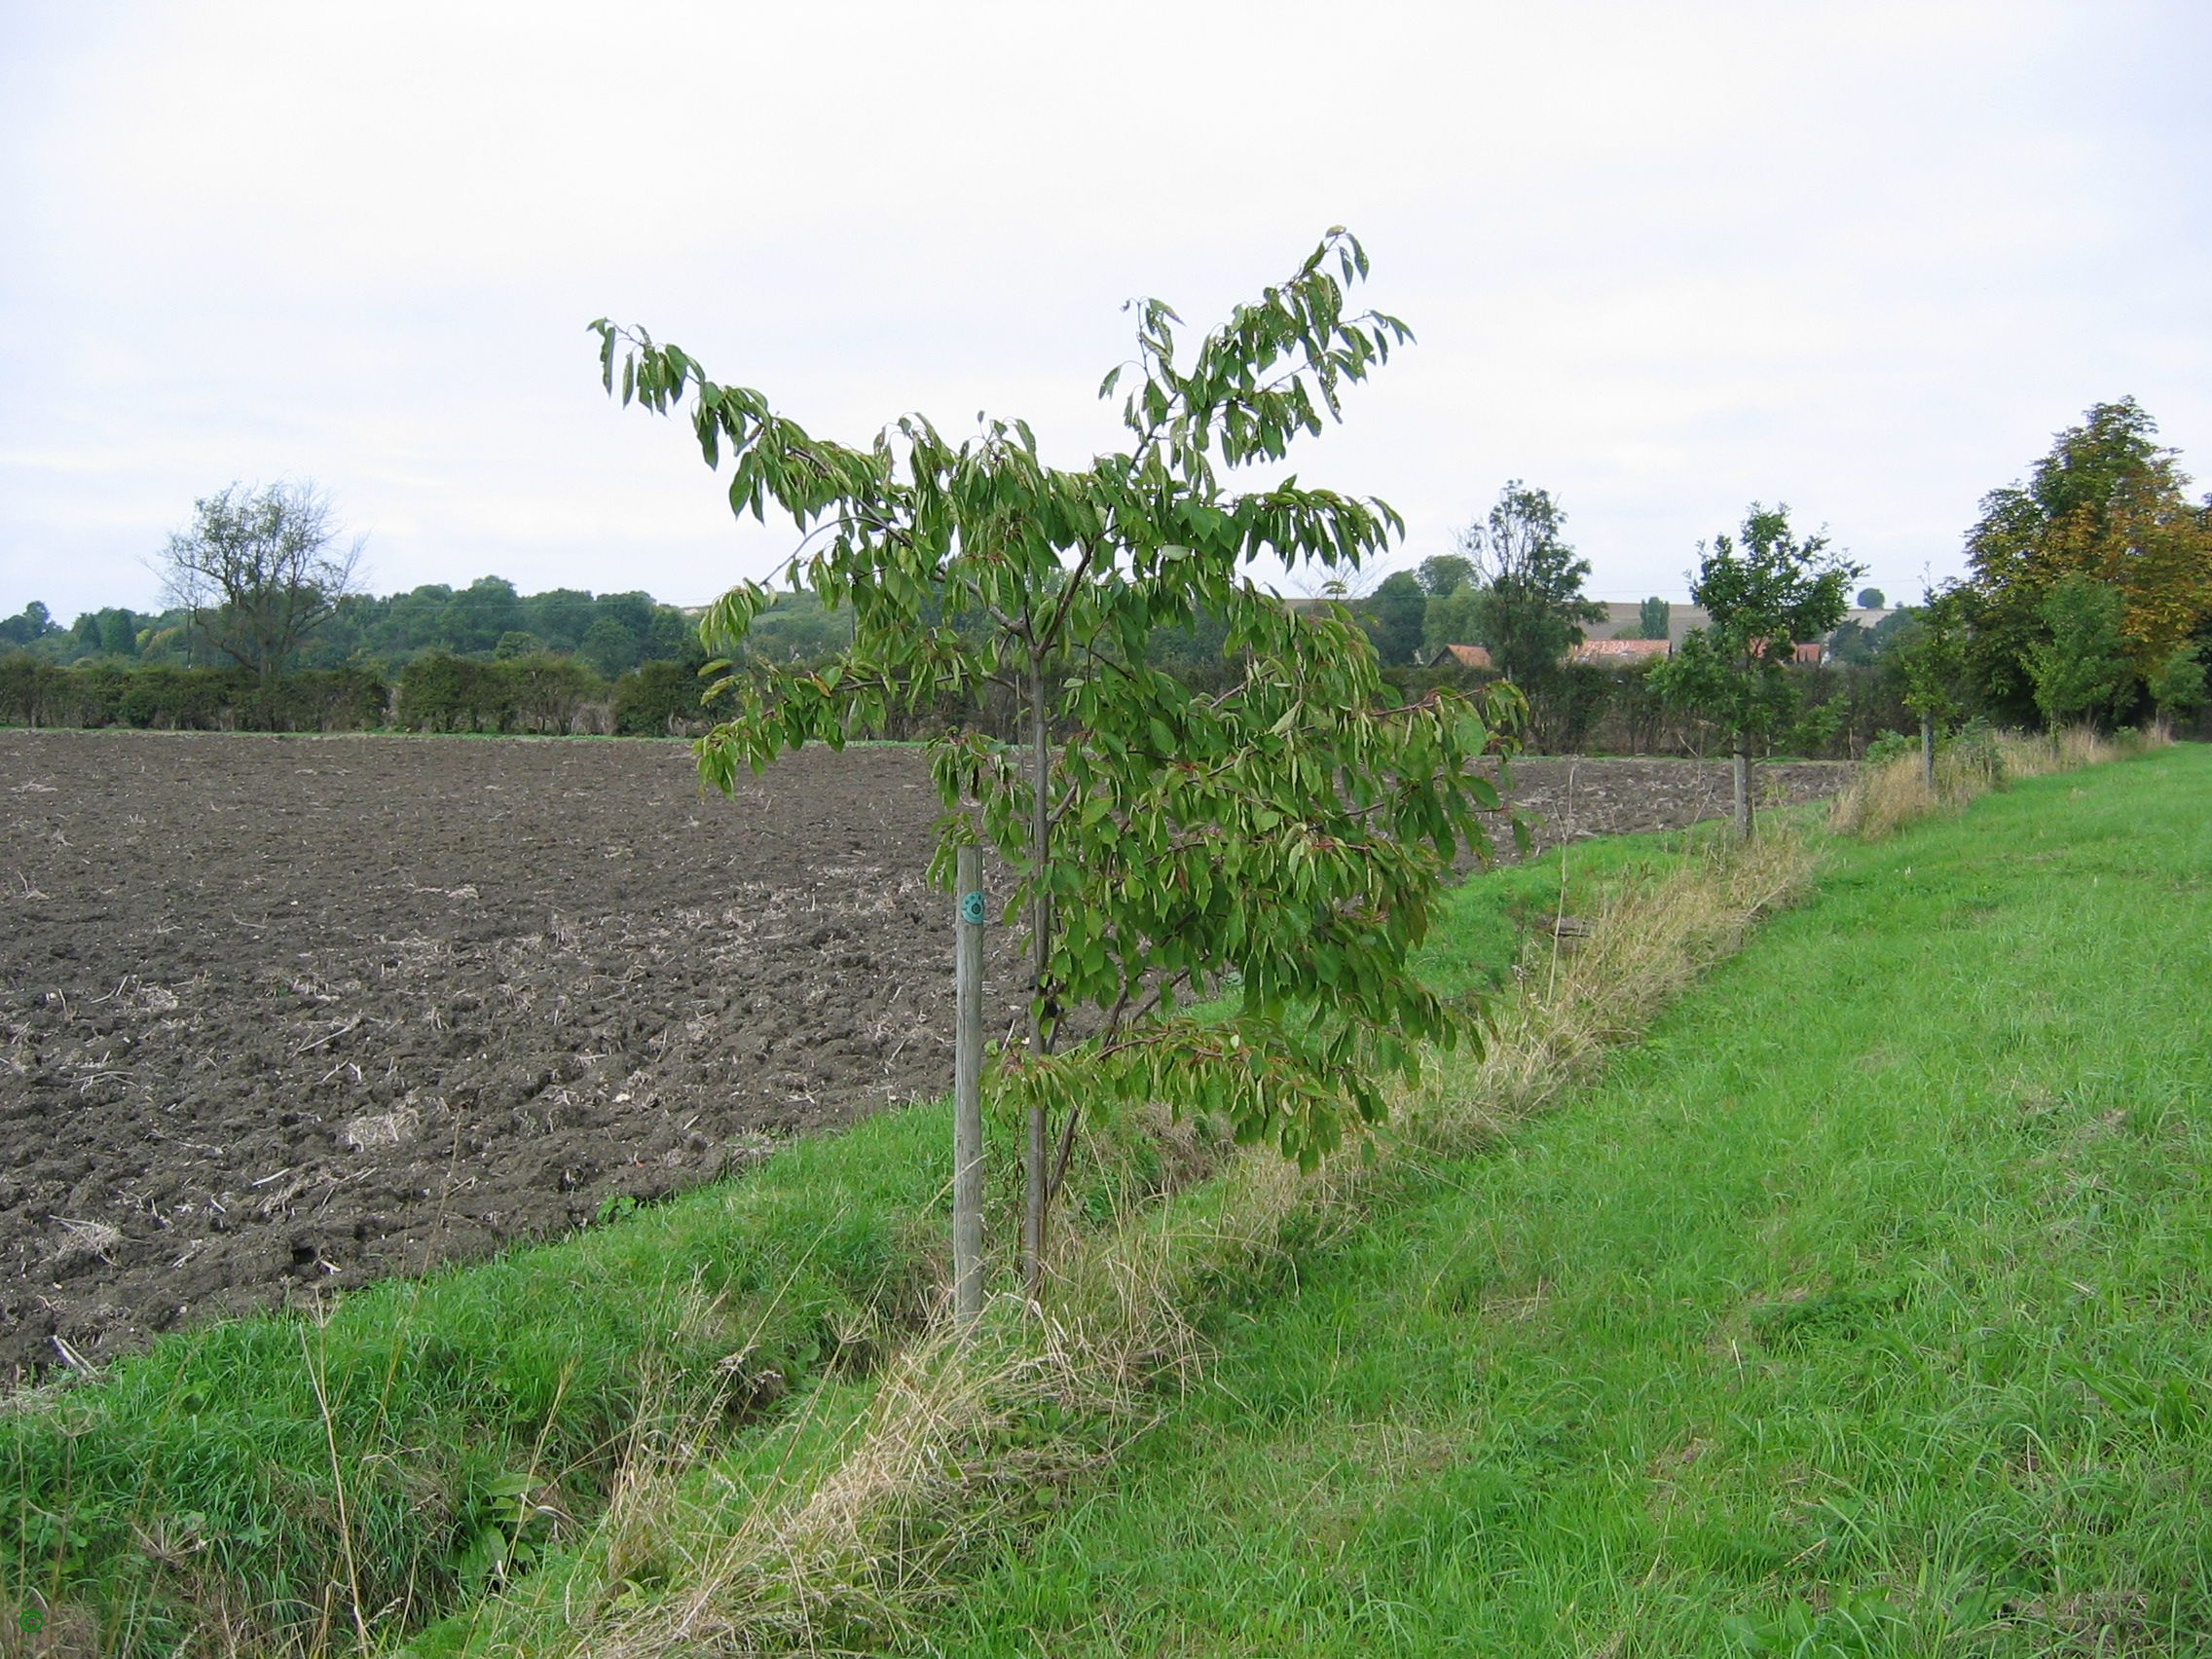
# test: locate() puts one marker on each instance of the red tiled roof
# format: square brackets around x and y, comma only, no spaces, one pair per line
[1466,656]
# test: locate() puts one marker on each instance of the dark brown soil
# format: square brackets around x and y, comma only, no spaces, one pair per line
[281,1015]
[1571,799]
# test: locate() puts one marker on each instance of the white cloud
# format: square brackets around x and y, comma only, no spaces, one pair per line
[1861,257]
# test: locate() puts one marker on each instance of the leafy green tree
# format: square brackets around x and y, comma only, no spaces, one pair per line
[258,570]
[1851,645]
[670,638]
[1655,619]
[517,643]
[1451,619]
[413,622]
[119,633]
[1871,599]
[1530,606]
[1288,825]
[2108,504]
[608,647]
[1887,632]
[1394,614]
[1443,575]
[2177,684]
[1198,642]
[29,626]
[632,612]
[477,617]
[2079,668]
[550,691]
[559,616]
[1763,595]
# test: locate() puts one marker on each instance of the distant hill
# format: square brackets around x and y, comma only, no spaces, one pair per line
[1623,619]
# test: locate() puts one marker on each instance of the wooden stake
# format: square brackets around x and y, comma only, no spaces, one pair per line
[968,1087]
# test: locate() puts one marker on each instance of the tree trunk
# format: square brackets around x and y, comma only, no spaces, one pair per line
[1035,1174]
[1741,775]
[967,1087]
[1928,752]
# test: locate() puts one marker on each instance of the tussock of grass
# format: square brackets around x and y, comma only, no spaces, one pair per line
[1599,989]
[852,1522]
[1891,793]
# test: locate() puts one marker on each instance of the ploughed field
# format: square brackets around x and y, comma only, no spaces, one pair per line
[282,1014]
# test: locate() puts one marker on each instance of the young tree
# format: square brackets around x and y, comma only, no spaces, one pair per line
[1530,608]
[1653,620]
[2177,684]
[2081,671]
[258,570]
[1289,826]
[1773,589]
[1930,648]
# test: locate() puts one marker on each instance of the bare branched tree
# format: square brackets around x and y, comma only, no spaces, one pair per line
[259,569]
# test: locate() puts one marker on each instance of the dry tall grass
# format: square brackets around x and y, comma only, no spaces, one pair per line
[1591,993]
[861,1526]
[1894,792]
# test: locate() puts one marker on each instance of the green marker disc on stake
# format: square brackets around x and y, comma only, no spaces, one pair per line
[972,908]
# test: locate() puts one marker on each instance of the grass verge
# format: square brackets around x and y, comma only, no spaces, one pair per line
[857,1516]
[1861,1310]
[1888,795]
[282,1481]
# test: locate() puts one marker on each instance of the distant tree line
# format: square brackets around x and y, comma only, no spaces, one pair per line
[2088,597]
[487,619]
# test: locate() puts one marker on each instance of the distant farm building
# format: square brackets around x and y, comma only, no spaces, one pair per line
[1464,656]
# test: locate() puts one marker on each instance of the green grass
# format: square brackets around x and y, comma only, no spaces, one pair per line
[1863,1309]
[200,1485]
[197,1481]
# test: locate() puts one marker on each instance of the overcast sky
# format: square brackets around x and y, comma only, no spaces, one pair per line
[1662,260]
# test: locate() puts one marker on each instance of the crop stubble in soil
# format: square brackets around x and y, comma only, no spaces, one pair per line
[279,1015]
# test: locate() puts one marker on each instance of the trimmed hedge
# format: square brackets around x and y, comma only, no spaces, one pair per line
[662,699]
[553,696]
[1582,709]
[34,692]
